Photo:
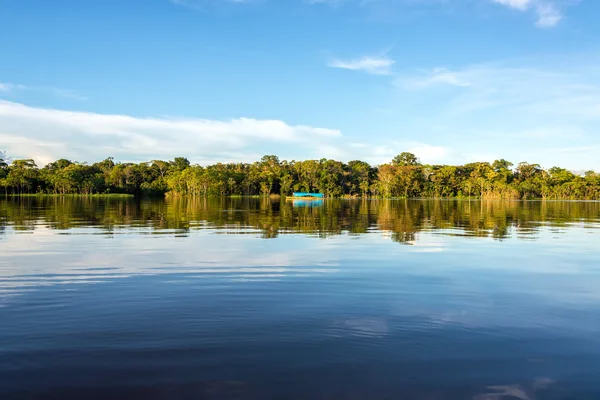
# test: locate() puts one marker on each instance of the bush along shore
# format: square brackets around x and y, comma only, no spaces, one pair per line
[403,177]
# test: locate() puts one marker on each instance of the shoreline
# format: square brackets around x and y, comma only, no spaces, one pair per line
[280,197]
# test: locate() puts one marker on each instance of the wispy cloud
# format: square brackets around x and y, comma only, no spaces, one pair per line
[12,88]
[331,3]
[199,4]
[550,84]
[438,76]
[535,102]
[548,16]
[379,64]
[543,90]
[518,4]
[547,11]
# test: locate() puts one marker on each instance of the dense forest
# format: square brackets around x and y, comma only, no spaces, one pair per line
[403,177]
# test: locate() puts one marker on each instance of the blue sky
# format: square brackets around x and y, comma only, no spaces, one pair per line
[453,81]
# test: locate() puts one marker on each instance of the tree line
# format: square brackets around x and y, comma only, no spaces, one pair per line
[404,177]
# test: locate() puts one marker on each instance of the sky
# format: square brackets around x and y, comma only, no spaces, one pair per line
[452,81]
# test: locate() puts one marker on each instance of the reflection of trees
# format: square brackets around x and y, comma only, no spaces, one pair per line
[403,219]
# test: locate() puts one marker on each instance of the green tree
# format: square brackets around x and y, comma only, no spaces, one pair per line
[332,178]
[387,181]
[501,165]
[22,175]
[408,179]
[405,158]
[161,167]
[361,175]
[180,163]
[106,165]
[269,174]
[3,163]
[3,172]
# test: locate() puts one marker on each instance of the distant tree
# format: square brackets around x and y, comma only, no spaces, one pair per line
[22,175]
[106,165]
[361,174]
[269,170]
[386,180]
[3,164]
[162,167]
[560,175]
[3,172]
[405,158]
[501,165]
[59,164]
[527,171]
[180,163]
[270,161]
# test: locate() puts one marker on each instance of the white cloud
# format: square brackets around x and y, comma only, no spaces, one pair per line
[547,11]
[198,4]
[548,16]
[376,154]
[331,3]
[518,4]
[438,76]
[429,154]
[46,134]
[371,65]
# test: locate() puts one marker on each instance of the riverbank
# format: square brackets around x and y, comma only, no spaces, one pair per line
[95,195]
[277,197]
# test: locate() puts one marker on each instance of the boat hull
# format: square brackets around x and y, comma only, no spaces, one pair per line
[304,195]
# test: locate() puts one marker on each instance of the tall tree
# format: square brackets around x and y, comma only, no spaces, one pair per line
[405,158]
[180,163]
[3,161]
[22,175]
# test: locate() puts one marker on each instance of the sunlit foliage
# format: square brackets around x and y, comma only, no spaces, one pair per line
[403,177]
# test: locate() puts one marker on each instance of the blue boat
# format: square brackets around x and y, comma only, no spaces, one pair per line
[306,195]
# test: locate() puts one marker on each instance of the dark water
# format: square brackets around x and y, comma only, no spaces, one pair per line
[257,299]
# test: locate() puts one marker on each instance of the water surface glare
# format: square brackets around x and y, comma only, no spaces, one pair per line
[267,299]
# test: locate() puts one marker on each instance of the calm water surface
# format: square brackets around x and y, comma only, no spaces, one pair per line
[259,299]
